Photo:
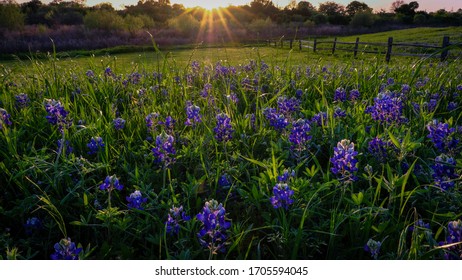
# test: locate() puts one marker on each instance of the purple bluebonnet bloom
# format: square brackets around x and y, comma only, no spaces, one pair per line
[223,130]
[282,193]
[193,114]
[452,106]
[373,247]
[459,87]
[66,250]
[379,149]
[169,124]
[390,81]
[108,72]
[164,150]
[276,120]
[419,224]
[454,235]
[119,123]
[67,146]
[22,100]
[442,136]
[387,109]
[287,106]
[111,183]
[339,113]
[344,162]
[299,93]
[320,119]
[212,234]
[4,118]
[354,95]
[421,82]
[90,74]
[206,91]
[405,88]
[175,217]
[135,200]
[32,224]
[224,181]
[195,67]
[232,98]
[95,144]
[299,135]
[150,121]
[444,172]
[340,95]
[57,115]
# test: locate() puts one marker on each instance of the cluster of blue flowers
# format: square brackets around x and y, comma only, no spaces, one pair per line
[4,118]
[444,172]
[66,250]
[379,148]
[387,109]
[299,135]
[135,200]
[373,247]
[282,193]
[212,234]
[95,144]
[454,235]
[57,115]
[21,100]
[223,130]
[193,114]
[175,217]
[164,150]
[276,120]
[32,224]
[340,95]
[344,162]
[119,123]
[151,121]
[287,106]
[111,183]
[320,119]
[442,136]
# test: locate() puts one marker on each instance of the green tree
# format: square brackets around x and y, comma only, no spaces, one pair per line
[362,19]
[334,12]
[355,7]
[104,20]
[11,16]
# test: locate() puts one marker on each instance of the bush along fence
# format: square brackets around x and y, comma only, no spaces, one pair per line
[389,48]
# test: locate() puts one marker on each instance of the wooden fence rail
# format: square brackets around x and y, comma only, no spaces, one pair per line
[420,50]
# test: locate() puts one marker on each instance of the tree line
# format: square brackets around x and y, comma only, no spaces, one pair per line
[161,13]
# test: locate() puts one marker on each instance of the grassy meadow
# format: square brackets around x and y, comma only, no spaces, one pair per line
[230,153]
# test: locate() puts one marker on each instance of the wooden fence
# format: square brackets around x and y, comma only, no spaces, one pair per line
[389,48]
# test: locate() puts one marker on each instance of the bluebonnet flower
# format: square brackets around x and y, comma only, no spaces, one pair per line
[95,144]
[32,224]
[442,136]
[419,224]
[340,95]
[459,87]
[193,114]
[444,172]
[224,181]
[454,235]
[169,124]
[195,67]
[175,217]
[299,135]
[90,74]
[4,118]
[299,93]
[164,150]
[223,130]
[252,120]
[66,250]
[276,120]
[339,113]
[57,115]
[212,234]
[405,88]
[135,200]
[206,91]
[452,106]
[320,119]
[421,82]
[111,183]
[233,98]
[373,247]
[150,121]
[387,109]
[67,146]
[282,193]
[379,149]
[22,100]
[354,95]
[344,162]
[119,123]
[390,81]
[287,106]
[108,72]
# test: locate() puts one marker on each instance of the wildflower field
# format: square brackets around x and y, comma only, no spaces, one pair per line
[264,158]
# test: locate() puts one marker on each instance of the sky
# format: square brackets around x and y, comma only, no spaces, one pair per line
[426,5]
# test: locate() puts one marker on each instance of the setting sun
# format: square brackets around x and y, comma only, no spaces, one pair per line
[211,4]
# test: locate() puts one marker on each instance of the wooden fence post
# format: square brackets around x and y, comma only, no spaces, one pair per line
[389,47]
[314,45]
[300,45]
[356,46]
[334,45]
[445,52]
